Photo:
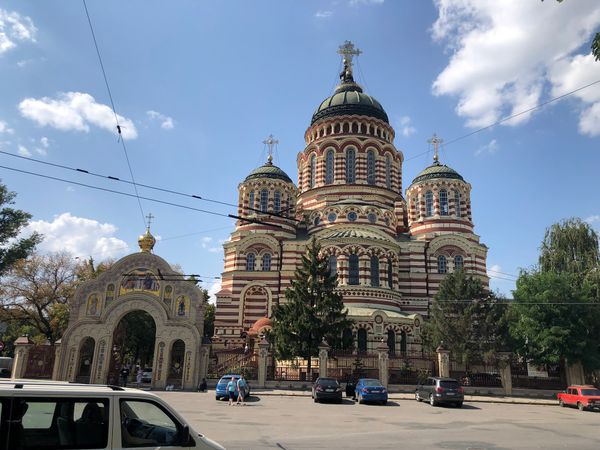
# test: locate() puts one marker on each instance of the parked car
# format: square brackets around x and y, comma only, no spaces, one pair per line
[438,390]
[221,389]
[327,389]
[370,390]
[147,375]
[584,397]
[57,414]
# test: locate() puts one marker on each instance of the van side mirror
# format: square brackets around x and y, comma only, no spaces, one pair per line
[184,436]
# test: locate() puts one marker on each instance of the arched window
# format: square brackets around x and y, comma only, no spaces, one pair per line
[333,265]
[362,340]
[457,203]
[277,202]
[428,204]
[371,167]
[251,200]
[388,171]
[391,342]
[390,274]
[403,342]
[442,264]
[350,165]
[329,167]
[374,271]
[353,269]
[458,262]
[443,197]
[347,337]
[264,200]
[313,171]
[250,262]
[266,262]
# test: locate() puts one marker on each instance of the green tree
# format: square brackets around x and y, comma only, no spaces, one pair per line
[12,221]
[209,320]
[467,319]
[313,311]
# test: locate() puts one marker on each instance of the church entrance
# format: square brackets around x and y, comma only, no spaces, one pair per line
[133,346]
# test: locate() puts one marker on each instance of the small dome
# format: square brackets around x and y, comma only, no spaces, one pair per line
[262,323]
[268,171]
[437,170]
[146,241]
[349,99]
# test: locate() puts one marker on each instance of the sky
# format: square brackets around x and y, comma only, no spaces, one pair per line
[198,85]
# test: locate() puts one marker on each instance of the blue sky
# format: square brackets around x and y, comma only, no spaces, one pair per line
[200,84]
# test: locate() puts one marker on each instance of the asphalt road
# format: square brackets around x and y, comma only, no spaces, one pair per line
[293,423]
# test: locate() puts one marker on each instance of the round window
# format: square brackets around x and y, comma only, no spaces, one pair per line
[372,217]
[352,216]
[317,220]
[332,216]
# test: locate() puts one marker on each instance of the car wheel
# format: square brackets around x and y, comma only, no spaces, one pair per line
[315,399]
[561,403]
[459,404]
[418,397]
[580,406]
[384,402]
[218,398]
[432,401]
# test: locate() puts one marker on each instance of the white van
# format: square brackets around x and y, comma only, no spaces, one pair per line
[43,415]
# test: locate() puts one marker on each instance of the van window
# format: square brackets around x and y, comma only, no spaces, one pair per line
[58,423]
[147,424]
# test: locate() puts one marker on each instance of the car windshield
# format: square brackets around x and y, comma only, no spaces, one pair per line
[372,383]
[328,382]
[590,392]
[449,384]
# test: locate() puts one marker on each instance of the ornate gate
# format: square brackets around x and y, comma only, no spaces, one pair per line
[40,362]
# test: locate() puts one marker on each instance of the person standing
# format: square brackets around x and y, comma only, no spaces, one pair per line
[124,375]
[241,386]
[231,390]
[138,377]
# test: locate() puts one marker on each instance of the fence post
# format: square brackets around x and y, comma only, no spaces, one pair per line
[382,351]
[323,355]
[22,346]
[263,353]
[56,368]
[505,371]
[443,361]
[204,355]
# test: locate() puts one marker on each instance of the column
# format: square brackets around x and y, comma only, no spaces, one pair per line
[204,354]
[505,371]
[263,356]
[323,354]
[382,352]
[342,269]
[443,361]
[364,272]
[56,368]
[22,346]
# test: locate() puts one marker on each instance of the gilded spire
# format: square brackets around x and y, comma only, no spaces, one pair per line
[146,241]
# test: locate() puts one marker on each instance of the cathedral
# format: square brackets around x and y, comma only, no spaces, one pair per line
[390,248]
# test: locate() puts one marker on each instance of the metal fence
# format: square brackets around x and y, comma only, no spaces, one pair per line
[411,367]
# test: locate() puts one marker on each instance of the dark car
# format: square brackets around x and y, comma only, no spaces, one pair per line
[327,389]
[438,390]
[370,390]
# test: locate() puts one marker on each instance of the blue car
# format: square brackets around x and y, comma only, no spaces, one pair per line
[370,390]
[221,389]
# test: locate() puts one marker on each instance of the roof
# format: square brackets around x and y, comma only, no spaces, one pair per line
[437,170]
[357,311]
[268,170]
[353,233]
[63,387]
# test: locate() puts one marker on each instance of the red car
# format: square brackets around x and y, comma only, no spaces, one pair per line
[584,397]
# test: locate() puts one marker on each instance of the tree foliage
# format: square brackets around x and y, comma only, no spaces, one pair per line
[313,311]
[12,221]
[467,319]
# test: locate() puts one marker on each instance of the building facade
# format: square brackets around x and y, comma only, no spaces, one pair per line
[389,250]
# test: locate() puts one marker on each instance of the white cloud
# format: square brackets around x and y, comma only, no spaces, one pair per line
[80,236]
[503,54]
[494,270]
[75,111]
[166,122]
[365,2]
[212,290]
[13,28]
[489,148]
[321,14]
[406,127]
[45,142]
[593,219]
[23,151]
[4,128]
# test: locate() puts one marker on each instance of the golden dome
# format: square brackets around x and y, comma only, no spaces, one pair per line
[146,241]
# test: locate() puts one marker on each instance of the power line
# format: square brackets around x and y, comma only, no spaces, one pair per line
[512,116]
[112,103]
[515,302]
[164,202]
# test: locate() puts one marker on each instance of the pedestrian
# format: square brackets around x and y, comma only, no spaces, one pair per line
[246,349]
[124,375]
[231,390]
[241,385]
[138,376]
[202,385]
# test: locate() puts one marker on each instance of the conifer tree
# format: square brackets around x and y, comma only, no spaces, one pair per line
[313,311]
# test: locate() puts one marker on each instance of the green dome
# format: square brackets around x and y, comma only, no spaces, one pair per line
[268,171]
[349,99]
[437,170]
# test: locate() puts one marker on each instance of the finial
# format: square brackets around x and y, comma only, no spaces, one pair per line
[270,142]
[149,217]
[146,241]
[348,51]
[435,141]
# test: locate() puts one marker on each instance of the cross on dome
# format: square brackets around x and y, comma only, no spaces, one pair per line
[348,51]
[270,142]
[149,217]
[435,141]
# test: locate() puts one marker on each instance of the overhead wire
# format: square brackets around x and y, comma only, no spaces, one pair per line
[114,110]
